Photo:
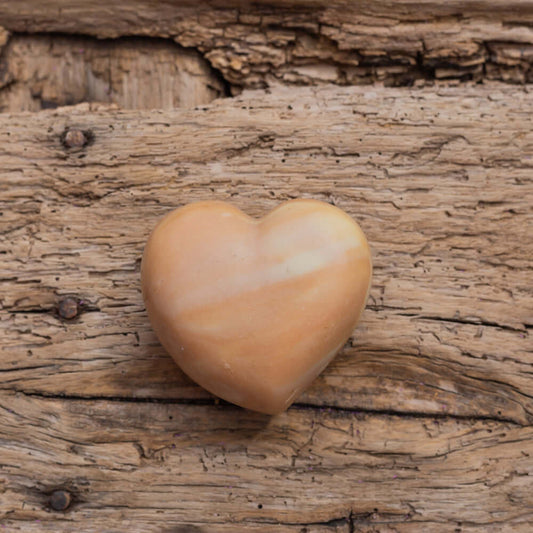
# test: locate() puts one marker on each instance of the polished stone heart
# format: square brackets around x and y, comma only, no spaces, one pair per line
[253,310]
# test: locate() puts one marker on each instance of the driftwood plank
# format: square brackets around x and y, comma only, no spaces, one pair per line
[154,467]
[440,182]
[294,41]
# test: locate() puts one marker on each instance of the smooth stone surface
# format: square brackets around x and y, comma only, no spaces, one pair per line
[253,310]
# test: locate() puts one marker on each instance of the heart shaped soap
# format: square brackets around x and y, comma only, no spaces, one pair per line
[253,310]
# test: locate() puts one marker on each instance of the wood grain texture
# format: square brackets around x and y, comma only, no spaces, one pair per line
[297,42]
[47,71]
[173,468]
[439,181]
[424,421]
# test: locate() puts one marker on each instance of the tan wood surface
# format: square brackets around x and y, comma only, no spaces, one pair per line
[423,423]
[302,42]
[175,468]
[47,71]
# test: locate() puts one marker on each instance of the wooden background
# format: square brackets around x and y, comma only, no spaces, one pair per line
[414,117]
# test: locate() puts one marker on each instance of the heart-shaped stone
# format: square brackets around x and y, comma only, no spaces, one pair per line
[253,310]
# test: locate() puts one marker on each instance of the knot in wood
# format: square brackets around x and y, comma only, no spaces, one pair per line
[68,308]
[75,138]
[60,500]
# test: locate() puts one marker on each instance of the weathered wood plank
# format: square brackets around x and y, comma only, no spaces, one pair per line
[156,467]
[293,41]
[440,182]
[47,71]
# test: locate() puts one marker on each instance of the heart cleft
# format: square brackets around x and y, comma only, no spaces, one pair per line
[253,310]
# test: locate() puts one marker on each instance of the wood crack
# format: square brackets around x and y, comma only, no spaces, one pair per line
[472,321]
[261,45]
[221,404]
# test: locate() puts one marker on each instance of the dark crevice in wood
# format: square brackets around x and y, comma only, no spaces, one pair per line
[21,369]
[228,91]
[473,322]
[333,523]
[405,414]
[129,399]
[221,404]
[477,321]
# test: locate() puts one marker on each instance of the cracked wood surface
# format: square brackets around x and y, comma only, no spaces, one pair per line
[441,183]
[302,42]
[170,468]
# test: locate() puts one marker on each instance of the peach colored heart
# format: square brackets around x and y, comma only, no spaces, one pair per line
[254,310]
